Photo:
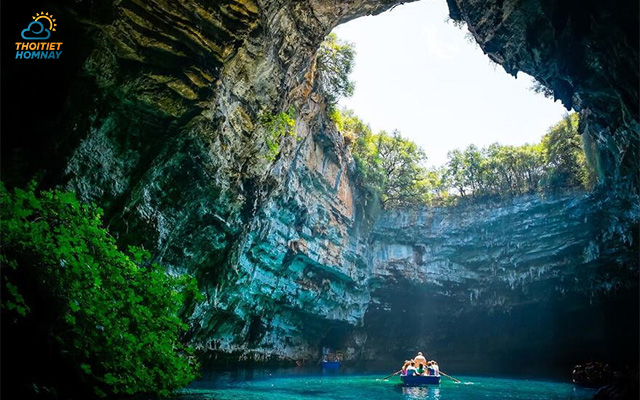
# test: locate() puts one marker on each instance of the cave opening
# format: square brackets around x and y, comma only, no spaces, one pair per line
[493,324]
[334,338]
[200,128]
[419,72]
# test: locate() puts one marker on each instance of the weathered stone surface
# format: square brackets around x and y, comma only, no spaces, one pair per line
[497,285]
[297,268]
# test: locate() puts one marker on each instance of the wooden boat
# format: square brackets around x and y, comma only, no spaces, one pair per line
[420,380]
[331,364]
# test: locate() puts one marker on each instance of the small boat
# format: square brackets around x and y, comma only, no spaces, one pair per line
[420,380]
[331,364]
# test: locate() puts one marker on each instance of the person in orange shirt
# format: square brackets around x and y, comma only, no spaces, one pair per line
[420,360]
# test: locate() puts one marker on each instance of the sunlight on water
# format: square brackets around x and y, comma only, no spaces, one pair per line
[351,387]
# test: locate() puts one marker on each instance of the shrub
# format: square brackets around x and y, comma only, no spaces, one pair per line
[110,318]
[277,126]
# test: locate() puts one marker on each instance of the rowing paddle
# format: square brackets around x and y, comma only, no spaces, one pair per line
[389,376]
[450,377]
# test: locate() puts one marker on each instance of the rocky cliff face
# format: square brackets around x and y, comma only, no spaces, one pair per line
[296,269]
[157,118]
[521,286]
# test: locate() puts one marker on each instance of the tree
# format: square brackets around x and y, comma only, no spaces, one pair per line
[436,186]
[473,175]
[403,174]
[335,61]
[565,157]
[349,124]
[495,170]
[83,314]
[455,171]
[531,166]
[392,167]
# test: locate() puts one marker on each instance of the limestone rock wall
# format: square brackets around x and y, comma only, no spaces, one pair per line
[297,268]
[495,285]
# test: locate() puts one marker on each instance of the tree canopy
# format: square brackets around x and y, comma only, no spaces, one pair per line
[555,164]
[495,170]
[335,61]
[394,168]
[565,155]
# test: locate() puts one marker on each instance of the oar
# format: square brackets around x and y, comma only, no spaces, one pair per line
[450,377]
[389,376]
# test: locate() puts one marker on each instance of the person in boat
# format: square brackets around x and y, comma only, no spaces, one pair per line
[406,365]
[411,369]
[429,369]
[419,359]
[325,353]
[435,370]
[421,370]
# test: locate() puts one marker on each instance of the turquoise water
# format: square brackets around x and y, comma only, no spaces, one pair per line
[340,386]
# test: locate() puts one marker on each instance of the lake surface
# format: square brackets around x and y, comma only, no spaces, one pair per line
[297,385]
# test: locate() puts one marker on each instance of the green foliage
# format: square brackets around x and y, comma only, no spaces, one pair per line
[335,61]
[111,314]
[349,125]
[557,163]
[565,156]
[392,167]
[278,126]
[495,170]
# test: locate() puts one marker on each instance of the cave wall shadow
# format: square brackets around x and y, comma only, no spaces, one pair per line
[539,338]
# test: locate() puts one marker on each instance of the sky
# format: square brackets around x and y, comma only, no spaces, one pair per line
[418,73]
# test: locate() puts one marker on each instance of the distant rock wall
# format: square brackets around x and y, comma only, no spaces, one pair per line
[498,285]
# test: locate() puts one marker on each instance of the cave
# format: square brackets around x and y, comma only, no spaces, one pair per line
[153,112]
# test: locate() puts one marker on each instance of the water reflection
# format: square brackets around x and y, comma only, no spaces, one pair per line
[421,393]
[332,372]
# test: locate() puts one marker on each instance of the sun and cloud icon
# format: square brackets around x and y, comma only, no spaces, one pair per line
[40,28]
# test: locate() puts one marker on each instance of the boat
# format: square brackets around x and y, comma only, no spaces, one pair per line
[420,380]
[331,364]
[331,360]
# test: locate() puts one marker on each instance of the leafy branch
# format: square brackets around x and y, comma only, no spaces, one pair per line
[277,127]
